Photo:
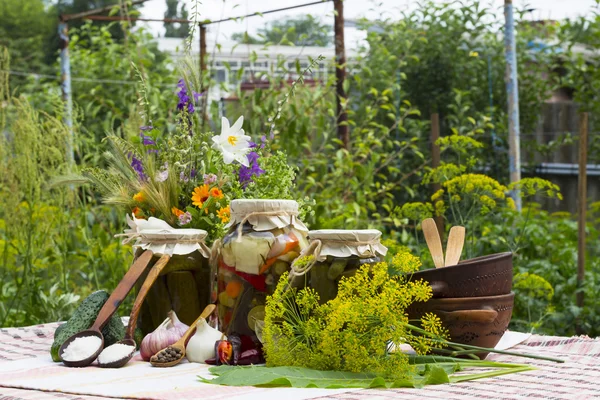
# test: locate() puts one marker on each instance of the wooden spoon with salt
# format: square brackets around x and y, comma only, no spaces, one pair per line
[178,348]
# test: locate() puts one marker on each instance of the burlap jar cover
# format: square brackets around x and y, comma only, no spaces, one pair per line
[336,253]
[264,238]
[185,283]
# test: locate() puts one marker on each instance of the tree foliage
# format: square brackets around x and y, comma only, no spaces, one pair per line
[305,30]
[176,29]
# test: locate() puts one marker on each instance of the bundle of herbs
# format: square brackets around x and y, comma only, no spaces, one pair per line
[189,176]
[350,341]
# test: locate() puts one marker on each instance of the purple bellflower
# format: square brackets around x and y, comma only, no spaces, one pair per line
[246,174]
[137,166]
[184,98]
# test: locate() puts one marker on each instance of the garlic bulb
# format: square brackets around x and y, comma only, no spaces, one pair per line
[201,346]
[161,337]
[176,324]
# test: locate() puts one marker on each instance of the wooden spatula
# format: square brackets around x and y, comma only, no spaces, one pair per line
[454,247]
[432,237]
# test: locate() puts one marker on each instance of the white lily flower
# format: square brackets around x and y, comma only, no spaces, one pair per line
[232,142]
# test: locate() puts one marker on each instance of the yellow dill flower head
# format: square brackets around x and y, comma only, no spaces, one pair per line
[443,173]
[534,286]
[417,211]
[437,195]
[433,324]
[511,203]
[139,197]
[459,142]
[440,208]
[529,187]
[405,263]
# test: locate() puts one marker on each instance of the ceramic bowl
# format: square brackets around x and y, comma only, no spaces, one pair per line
[482,276]
[476,321]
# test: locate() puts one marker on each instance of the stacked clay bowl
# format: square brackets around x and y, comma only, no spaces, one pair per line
[473,299]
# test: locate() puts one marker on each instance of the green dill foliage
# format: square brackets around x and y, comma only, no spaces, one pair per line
[276,183]
[353,331]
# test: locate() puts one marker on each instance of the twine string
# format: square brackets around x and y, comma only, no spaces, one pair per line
[314,250]
[261,213]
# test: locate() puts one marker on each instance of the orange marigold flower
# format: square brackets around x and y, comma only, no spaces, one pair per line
[216,193]
[137,212]
[224,214]
[177,212]
[200,195]
[139,197]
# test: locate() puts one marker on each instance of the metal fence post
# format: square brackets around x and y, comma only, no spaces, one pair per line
[340,73]
[65,85]
[512,92]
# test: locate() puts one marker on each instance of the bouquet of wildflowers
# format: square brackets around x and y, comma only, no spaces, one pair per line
[188,178]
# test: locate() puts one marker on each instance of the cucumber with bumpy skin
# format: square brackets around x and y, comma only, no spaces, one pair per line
[83,318]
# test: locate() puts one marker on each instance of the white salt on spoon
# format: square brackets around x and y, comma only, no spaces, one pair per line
[81,348]
[113,353]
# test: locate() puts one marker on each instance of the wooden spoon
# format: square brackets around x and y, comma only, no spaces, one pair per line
[179,346]
[135,310]
[454,247]
[432,237]
[108,309]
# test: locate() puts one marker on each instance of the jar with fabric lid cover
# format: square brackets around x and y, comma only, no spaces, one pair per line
[336,253]
[184,283]
[264,238]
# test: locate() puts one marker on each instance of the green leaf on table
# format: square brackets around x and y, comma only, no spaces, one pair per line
[309,378]
[429,370]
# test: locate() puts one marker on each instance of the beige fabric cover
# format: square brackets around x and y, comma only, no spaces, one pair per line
[282,213]
[157,235]
[363,243]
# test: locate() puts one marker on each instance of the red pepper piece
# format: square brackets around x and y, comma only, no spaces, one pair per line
[257,281]
[228,351]
[254,356]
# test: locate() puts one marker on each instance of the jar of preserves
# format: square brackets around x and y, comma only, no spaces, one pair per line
[264,238]
[184,284]
[336,253]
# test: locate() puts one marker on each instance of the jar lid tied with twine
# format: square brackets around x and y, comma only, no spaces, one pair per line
[341,243]
[265,215]
[157,235]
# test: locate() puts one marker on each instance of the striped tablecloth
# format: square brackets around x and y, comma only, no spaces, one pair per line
[26,372]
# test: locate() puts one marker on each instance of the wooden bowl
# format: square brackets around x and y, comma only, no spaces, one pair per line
[482,276]
[476,321]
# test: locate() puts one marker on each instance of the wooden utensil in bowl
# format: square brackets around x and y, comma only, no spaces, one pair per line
[434,243]
[454,247]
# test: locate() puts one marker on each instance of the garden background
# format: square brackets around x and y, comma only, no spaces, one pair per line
[57,242]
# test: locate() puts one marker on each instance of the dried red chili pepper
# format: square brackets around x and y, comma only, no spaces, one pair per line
[228,351]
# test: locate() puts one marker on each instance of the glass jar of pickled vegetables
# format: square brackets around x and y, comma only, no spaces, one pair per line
[264,238]
[337,253]
[184,283]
